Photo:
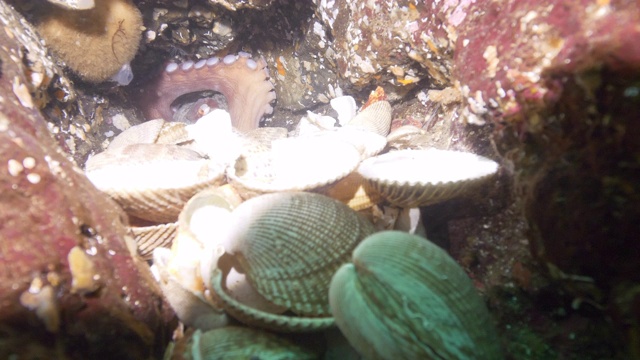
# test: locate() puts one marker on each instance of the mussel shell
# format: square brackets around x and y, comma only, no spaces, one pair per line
[290,244]
[405,298]
[413,178]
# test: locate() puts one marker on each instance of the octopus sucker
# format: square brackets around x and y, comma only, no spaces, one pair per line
[242,80]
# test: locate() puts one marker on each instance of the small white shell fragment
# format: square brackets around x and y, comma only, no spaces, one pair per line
[313,123]
[409,220]
[213,134]
[191,309]
[346,108]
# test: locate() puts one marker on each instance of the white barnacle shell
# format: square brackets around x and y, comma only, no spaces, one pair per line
[412,178]
[405,298]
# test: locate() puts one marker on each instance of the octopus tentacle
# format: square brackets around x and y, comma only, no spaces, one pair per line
[243,81]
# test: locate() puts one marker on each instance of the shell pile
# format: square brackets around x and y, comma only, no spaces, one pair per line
[272,247]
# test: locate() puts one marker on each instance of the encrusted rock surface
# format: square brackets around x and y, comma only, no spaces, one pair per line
[69,285]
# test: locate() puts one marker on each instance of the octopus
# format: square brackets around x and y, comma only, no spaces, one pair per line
[242,81]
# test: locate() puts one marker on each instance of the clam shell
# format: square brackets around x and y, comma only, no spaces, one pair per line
[265,320]
[293,164]
[191,308]
[153,236]
[412,178]
[290,244]
[195,247]
[350,191]
[405,298]
[375,117]
[366,142]
[152,181]
[155,131]
[234,342]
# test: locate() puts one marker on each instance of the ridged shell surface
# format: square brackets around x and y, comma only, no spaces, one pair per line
[153,236]
[234,342]
[412,178]
[265,320]
[152,181]
[293,164]
[405,298]
[375,118]
[290,244]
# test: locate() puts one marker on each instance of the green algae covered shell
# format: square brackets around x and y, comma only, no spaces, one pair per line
[234,342]
[403,297]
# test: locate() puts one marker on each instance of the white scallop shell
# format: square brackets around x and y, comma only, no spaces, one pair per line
[412,178]
[293,164]
[152,181]
[375,118]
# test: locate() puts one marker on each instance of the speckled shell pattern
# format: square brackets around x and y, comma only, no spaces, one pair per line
[243,81]
[403,297]
[290,244]
[300,164]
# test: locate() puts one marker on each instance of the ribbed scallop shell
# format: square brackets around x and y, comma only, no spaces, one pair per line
[375,117]
[152,181]
[155,131]
[290,244]
[153,236]
[293,164]
[234,342]
[412,178]
[265,320]
[405,298]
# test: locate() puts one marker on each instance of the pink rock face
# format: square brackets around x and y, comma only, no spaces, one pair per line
[560,82]
[511,57]
[98,302]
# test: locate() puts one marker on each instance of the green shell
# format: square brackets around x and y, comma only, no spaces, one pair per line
[405,298]
[290,244]
[233,342]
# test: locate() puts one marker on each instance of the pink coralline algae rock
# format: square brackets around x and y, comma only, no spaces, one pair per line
[560,81]
[69,285]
